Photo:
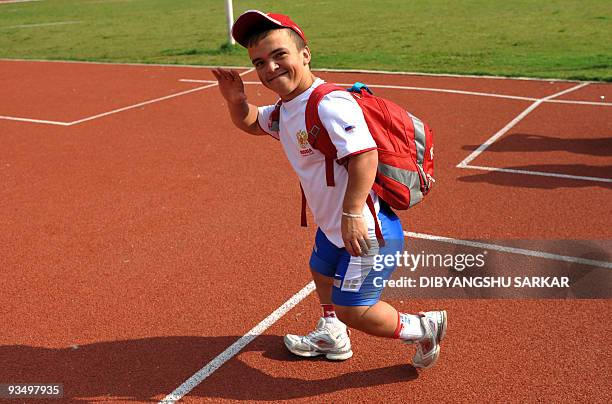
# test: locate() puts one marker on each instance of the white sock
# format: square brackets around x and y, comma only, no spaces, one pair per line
[409,327]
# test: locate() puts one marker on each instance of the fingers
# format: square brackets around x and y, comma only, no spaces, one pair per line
[368,244]
[235,75]
[352,248]
[220,75]
[349,248]
[223,74]
[355,236]
[358,247]
[364,244]
[228,75]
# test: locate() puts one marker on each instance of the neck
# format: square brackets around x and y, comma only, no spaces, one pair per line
[305,84]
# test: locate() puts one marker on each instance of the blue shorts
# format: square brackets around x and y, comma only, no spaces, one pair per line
[358,280]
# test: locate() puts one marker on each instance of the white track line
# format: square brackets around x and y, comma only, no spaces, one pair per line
[152,101]
[44,24]
[213,83]
[603,104]
[444,90]
[14,118]
[511,124]
[209,81]
[474,76]
[89,118]
[322,69]
[441,90]
[539,173]
[513,250]
[237,346]
[140,104]
[277,314]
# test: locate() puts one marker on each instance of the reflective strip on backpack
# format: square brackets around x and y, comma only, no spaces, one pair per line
[408,178]
[419,137]
[426,179]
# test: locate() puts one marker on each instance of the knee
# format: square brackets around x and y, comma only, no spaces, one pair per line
[349,315]
[321,279]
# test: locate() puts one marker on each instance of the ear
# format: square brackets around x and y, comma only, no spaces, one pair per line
[306,55]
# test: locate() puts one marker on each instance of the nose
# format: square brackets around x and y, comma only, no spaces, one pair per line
[271,66]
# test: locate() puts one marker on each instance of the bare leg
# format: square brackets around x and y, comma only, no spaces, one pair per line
[379,320]
[324,286]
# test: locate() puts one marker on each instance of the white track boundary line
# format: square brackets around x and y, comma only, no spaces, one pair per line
[511,124]
[214,83]
[140,104]
[539,173]
[321,69]
[512,250]
[471,76]
[277,314]
[444,90]
[89,118]
[576,102]
[14,118]
[237,346]
[441,90]
[153,101]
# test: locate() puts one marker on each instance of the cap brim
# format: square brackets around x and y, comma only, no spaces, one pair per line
[247,22]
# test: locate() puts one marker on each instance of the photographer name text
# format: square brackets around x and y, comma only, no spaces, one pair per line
[474,282]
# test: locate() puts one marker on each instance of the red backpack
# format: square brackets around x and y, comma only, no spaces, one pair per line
[405,148]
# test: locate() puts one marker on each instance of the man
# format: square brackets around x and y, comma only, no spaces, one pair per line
[348,285]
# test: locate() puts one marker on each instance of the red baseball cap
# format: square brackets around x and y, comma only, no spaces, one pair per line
[251,19]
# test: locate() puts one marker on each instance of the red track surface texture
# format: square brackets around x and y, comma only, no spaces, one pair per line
[138,246]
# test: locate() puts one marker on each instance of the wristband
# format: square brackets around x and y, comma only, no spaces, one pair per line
[352,215]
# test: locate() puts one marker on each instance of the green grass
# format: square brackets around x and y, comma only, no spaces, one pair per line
[534,38]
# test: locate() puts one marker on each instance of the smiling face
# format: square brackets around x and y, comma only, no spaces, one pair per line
[280,65]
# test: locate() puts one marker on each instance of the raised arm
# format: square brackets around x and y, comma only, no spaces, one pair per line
[243,114]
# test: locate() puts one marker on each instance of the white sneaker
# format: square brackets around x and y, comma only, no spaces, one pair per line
[428,348]
[330,338]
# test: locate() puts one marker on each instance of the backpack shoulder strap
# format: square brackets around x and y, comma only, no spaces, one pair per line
[314,125]
[274,119]
[317,135]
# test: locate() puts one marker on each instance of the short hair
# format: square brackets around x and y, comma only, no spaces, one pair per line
[258,34]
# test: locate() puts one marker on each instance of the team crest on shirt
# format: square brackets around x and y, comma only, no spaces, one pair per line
[302,138]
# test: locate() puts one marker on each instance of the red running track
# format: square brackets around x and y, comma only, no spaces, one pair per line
[138,246]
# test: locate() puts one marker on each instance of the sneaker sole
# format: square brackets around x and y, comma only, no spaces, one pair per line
[310,354]
[339,356]
[436,355]
[442,330]
[439,338]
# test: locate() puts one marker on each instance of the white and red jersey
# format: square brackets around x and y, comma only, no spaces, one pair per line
[344,121]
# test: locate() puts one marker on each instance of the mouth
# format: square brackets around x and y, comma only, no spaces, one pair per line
[277,76]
